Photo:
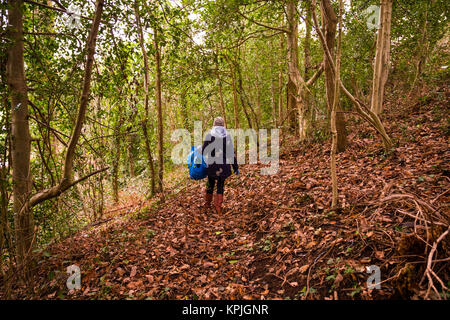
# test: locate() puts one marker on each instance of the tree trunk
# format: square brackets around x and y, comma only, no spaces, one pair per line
[422,49]
[21,141]
[116,161]
[4,200]
[243,99]
[131,139]
[4,177]
[297,86]
[382,57]
[280,84]
[117,150]
[334,201]
[159,111]
[144,122]
[235,100]
[68,167]
[273,97]
[258,99]
[329,20]
[293,103]
[222,104]
[149,158]
[309,116]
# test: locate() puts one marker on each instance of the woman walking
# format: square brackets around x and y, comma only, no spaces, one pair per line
[219,156]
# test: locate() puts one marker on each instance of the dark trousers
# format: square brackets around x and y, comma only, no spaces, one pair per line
[212,182]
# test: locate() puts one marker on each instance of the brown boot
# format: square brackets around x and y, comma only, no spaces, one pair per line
[208,199]
[218,203]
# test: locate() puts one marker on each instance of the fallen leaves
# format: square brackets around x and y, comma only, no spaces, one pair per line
[304,268]
[276,235]
[208,264]
[120,271]
[133,271]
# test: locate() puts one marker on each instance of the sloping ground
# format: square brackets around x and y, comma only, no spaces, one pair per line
[277,238]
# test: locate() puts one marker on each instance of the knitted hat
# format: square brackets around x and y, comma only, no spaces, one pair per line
[219,122]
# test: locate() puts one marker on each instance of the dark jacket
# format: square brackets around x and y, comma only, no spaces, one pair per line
[219,153]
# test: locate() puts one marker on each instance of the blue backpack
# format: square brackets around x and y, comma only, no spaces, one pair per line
[196,164]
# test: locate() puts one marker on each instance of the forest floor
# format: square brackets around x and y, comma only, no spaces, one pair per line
[277,238]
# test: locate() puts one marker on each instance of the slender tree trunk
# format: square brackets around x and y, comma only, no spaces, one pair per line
[293,100]
[183,109]
[382,57]
[334,201]
[116,161]
[68,167]
[222,104]
[307,47]
[309,116]
[130,142]
[159,111]
[243,99]
[149,158]
[422,49]
[117,150]
[258,98]
[235,99]
[280,83]
[6,246]
[99,163]
[3,213]
[273,96]
[21,141]
[144,122]
[101,196]
[4,177]
[298,85]
[329,23]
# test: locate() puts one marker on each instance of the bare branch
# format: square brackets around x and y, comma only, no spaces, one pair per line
[262,24]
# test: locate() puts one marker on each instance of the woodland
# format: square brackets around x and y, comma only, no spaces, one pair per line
[91,92]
